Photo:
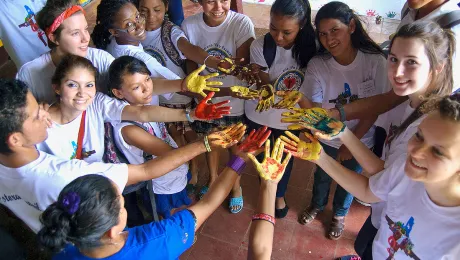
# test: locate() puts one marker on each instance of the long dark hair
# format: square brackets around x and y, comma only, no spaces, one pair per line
[125,65]
[70,62]
[305,45]
[94,209]
[106,12]
[342,12]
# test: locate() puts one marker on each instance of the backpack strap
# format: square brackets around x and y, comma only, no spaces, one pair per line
[405,10]
[449,20]
[269,49]
[171,50]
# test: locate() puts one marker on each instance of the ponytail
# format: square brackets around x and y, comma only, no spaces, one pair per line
[304,45]
[85,210]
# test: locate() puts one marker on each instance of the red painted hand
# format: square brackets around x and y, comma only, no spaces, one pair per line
[255,140]
[208,111]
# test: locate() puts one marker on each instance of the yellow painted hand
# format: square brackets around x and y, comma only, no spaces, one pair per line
[244,92]
[197,84]
[271,168]
[300,149]
[227,137]
[290,99]
[266,98]
[303,118]
[227,66]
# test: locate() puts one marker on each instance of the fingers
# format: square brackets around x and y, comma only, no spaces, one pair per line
[296,127]
[199,70]
[203,94]
[236,129]
[207,97]
[280,93]
[252,134]
[286,160]
[211,75]
[292,136]
[279,150]
[254,160]
[217,105]
[211,89]
[275,149]
[267,149]
[290,120]
[310,137]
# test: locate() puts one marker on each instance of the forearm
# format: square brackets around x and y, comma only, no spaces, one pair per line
[153,114]
[356,184]
[305,102]
[363,126]
[164,86]
[163,164]
[365,157]
[372,106]
[261,233]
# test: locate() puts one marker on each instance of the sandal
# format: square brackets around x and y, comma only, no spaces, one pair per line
[337,226]
[238,202]
[308,215]
[203,191]
[281,213]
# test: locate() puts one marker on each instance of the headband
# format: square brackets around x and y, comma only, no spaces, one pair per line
[58,21]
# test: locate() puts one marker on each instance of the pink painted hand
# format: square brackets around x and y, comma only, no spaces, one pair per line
[227,137]
[197,84]
[209,111]
[255,140]
[300,149]
[271,168]
[290,99]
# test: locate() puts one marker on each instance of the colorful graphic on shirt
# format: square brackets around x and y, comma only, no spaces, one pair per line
[391,135]
[165,135]
[74,153]
[400,240]
[289,80]
[217,52]
[30,21]
[345,97]
[157,55]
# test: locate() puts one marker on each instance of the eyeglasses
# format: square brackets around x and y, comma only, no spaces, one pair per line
[140,19]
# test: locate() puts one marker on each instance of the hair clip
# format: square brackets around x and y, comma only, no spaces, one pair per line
[70,202]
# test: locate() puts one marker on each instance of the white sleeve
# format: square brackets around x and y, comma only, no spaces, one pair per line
[383,182]
[157,70]
[245,31]
[257,52]
[311,86]
[110,108]
[381,82]
[176,34]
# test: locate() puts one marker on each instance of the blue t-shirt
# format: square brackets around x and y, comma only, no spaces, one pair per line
[166,239]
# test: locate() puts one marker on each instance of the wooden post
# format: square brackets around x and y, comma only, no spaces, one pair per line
[237,6]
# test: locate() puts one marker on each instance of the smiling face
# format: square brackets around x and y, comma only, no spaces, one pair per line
[433,154]
[154,13]
[137,89]
[34,128]
[409,69]
[129,24]
[335,36]
[215,10]
[77,89]
[284,30]
[74,37]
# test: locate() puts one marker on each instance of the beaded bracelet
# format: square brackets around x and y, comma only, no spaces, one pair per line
[263,216]
[206,144]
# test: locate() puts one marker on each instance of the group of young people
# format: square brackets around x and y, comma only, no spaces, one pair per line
[82,127]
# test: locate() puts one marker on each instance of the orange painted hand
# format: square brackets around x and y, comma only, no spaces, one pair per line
[197,84]
[271,168]
[255,140]
[227,137]
[290,99]
[300,149]
[244,92]
[209,111]
[266,98]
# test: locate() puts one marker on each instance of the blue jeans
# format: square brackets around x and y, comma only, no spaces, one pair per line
[282,185]
[176,12]
[322,184]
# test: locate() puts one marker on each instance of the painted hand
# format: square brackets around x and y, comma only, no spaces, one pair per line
[271,168]
[290,99]
[208,111]
[266,98]
[248,73]
[300,149]
[244,92]
[197,84]
[227,137]
[255,140]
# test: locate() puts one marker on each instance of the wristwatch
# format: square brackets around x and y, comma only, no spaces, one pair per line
[187,115]
[339,107]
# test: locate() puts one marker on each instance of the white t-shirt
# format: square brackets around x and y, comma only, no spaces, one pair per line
[37,74]
[445,8]
[154,47]
[284,74]
[170,183]
[22,38]
[221,41]
[30,189]
[62,139]
[326,79]
[412,225]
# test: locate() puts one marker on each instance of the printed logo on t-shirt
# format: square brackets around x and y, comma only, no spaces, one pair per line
[29,21]
[157,55]
[391,133]
[289,80]
[400,239]
[74,147]
[217,51]
[345,97]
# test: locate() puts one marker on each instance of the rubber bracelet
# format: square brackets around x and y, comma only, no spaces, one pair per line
[204,62]
[263,216]
[206,144]
[237,164]
[187,115]
[343,116]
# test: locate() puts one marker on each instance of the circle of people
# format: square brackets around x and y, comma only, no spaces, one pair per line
[89,134]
